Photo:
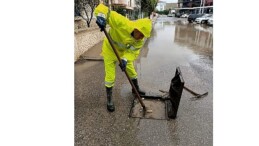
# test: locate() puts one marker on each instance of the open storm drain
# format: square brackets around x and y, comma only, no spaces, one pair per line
[163,107]
[157,106]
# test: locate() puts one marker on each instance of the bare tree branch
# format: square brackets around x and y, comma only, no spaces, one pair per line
[85,9]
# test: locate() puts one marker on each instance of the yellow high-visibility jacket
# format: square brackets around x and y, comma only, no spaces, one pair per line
[120,32]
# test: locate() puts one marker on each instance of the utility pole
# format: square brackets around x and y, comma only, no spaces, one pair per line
[140,12]
[110,4]
[203,6]
[200,6]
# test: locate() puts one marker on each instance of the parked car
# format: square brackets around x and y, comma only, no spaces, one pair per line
[203,19]
[210,21]
[177,15]
[192,17]
[184,16]
[169,15]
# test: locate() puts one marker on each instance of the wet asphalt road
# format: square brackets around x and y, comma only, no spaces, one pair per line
[174,42]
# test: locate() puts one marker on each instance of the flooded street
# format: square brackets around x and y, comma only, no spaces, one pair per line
[173,43]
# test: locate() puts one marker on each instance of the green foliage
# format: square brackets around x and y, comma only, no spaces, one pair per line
[77,8]
[148,6]
[165,12]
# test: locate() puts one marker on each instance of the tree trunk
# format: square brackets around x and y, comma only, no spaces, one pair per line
[149,15]
[88,23]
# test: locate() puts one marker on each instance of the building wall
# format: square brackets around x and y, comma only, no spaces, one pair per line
[209,2]
[194,3]
[160,6]
[85,38]
[171,6]
[122,2]
[125,3]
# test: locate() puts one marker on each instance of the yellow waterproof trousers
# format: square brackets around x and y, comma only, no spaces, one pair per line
[110,71]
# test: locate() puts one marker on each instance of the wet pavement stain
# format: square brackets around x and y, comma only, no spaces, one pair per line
[174,42]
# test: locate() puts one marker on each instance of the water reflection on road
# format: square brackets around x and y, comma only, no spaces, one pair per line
[175,42]
[197,37]
[168,35]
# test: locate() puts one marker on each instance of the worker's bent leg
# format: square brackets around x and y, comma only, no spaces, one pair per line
[133,76]
[131,70]
[110,66]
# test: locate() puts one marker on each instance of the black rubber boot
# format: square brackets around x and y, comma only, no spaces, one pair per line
[110,105]
[135,82]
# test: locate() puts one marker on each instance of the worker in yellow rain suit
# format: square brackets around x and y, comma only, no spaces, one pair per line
[128,38]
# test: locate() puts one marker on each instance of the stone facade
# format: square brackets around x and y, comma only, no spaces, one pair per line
[84,37]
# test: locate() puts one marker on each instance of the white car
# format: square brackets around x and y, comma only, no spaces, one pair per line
[210,21]
[169,15]
[203,19]
[184,16]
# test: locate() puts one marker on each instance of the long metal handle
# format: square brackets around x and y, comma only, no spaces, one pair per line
[192,92]
[117,55]
[195,94]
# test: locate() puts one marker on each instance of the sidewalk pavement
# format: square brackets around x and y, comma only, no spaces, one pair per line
[93,53]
